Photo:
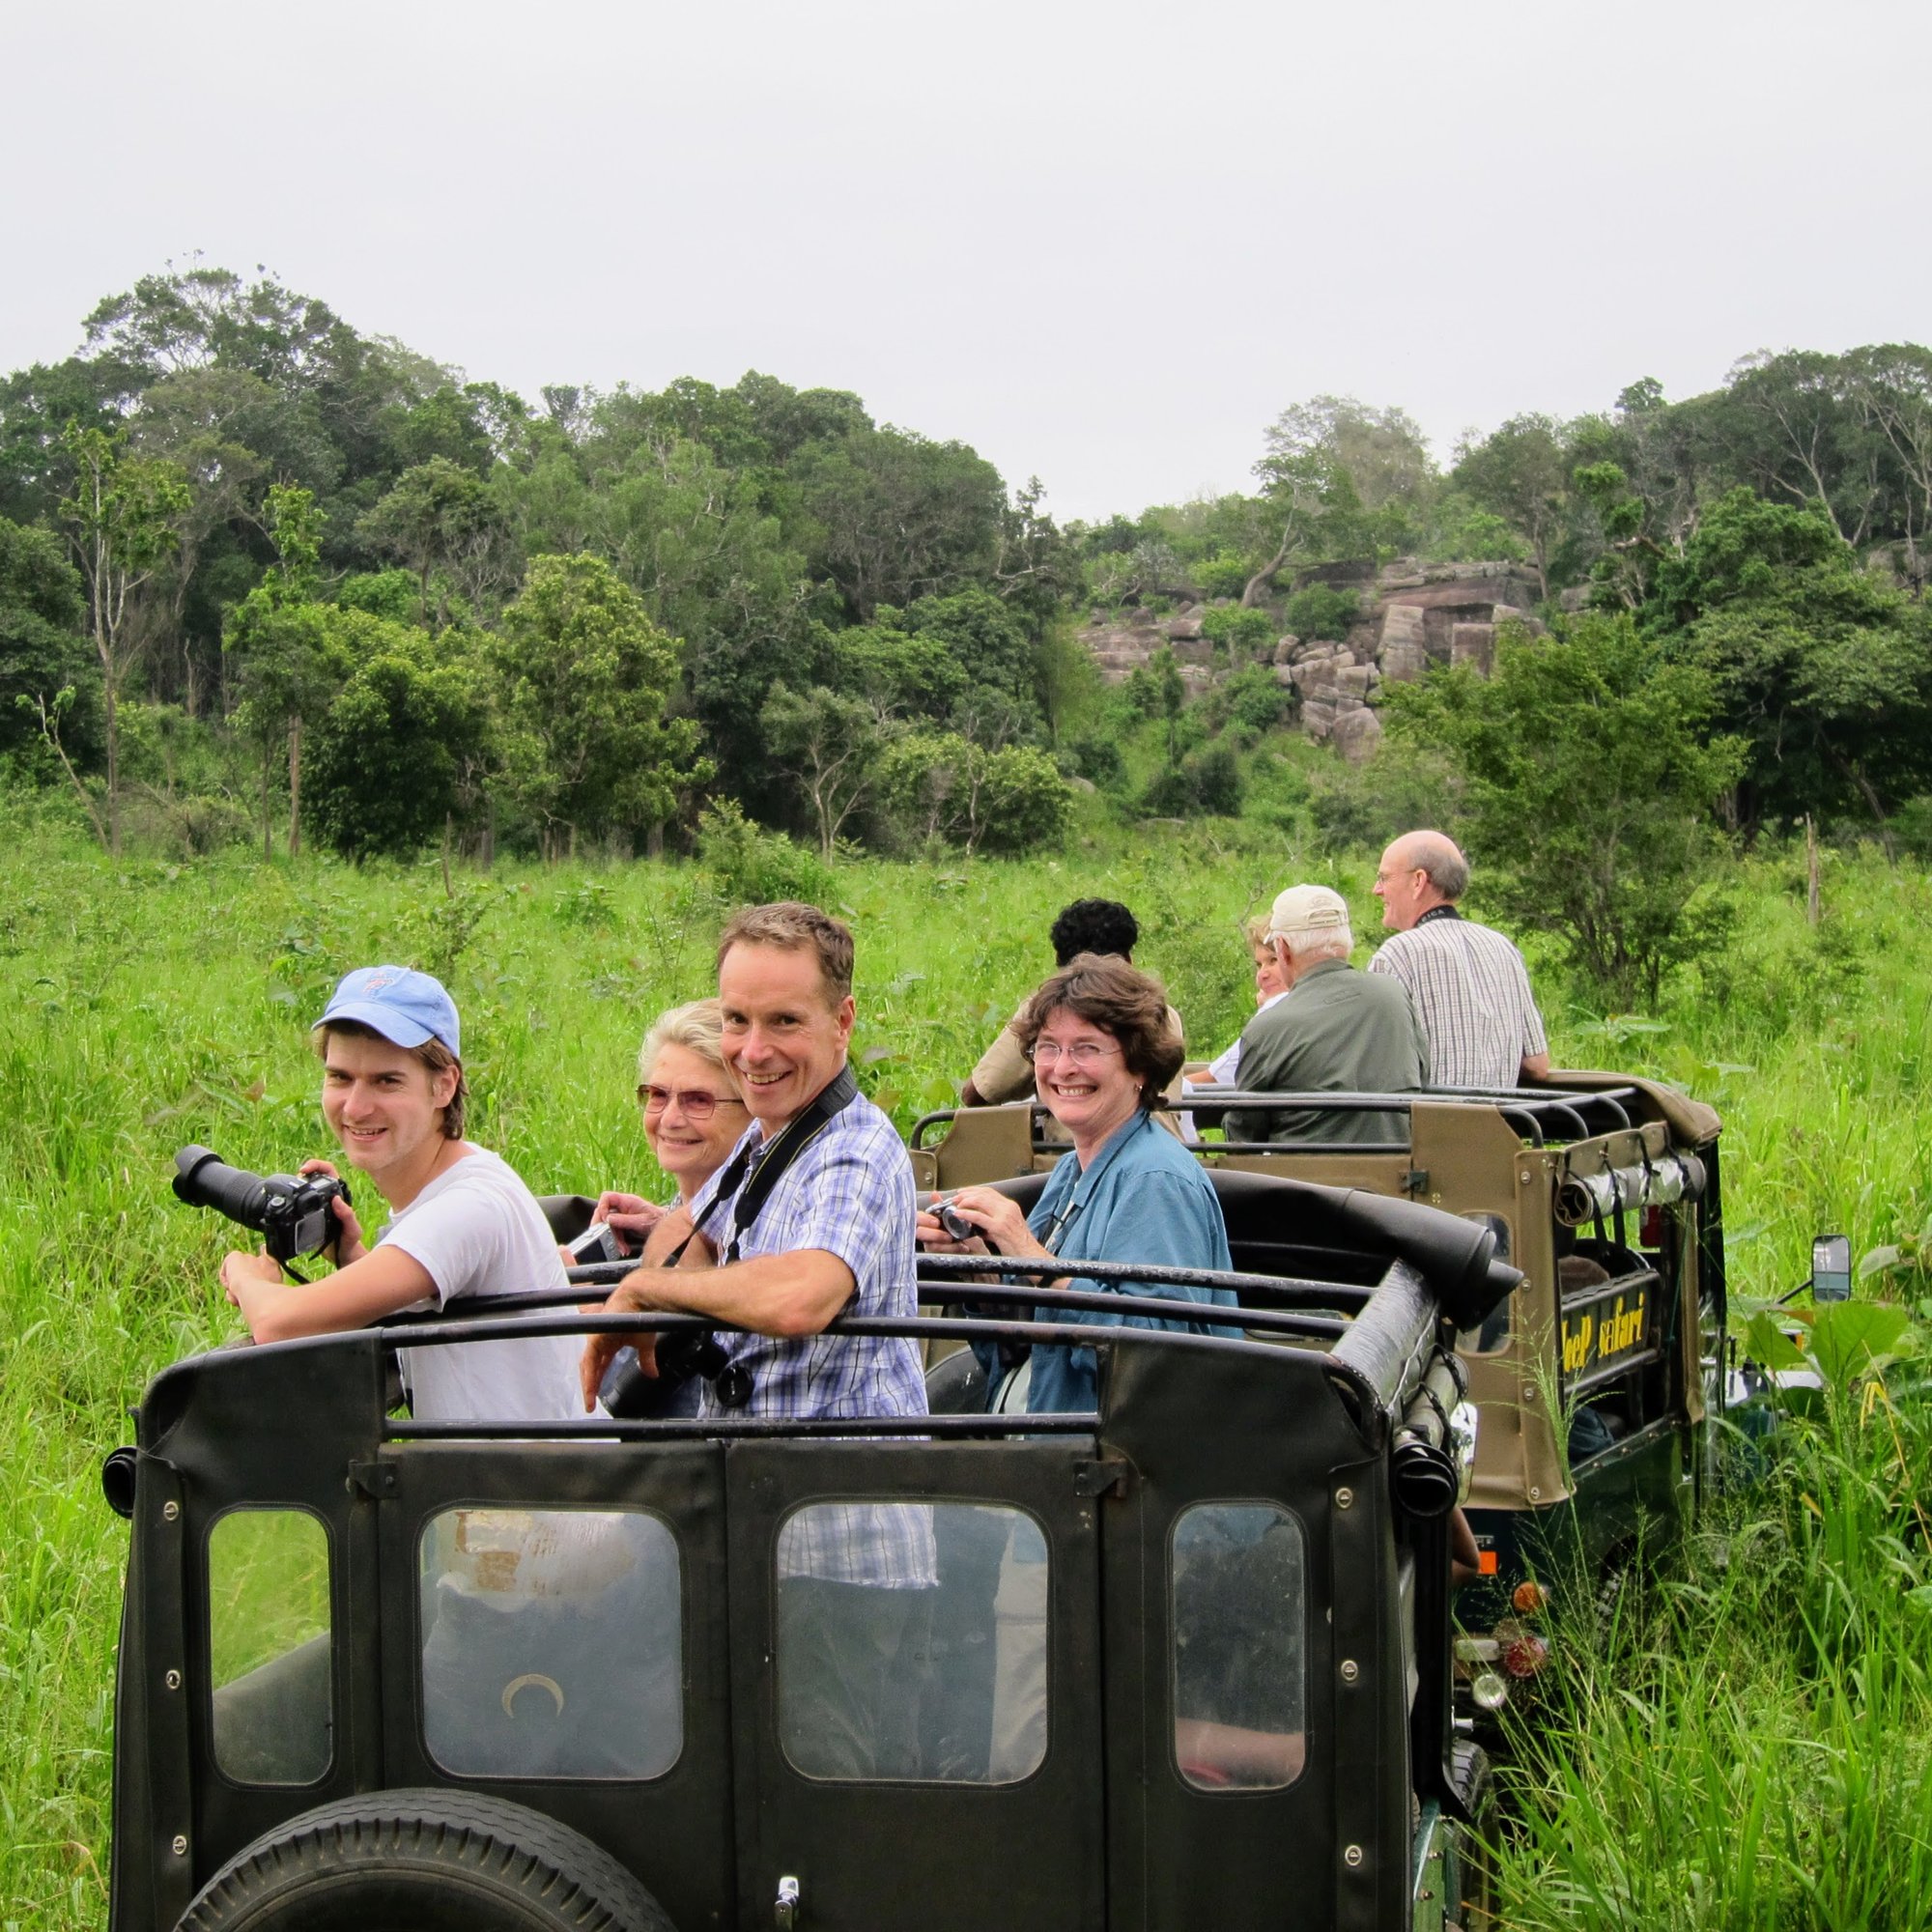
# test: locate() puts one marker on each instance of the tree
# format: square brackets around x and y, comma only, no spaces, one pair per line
[1156,689]
[1589,780]
[283,642]
[122,518]
[1892,386]
[1522,472]
[584,678]
[438,516]
[47,686]
[36,405]
[899,675]
[899,518]
[1245,634]
[713,564]
[1823,671]
[1342,479]
[830,746]
[391,757]
[1791,427]
[42,651]
[989,643]
[934,785]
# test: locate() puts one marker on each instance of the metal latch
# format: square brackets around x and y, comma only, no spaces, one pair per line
[1107,1477]
[373,1479]
[785,1909]
[1416,1181]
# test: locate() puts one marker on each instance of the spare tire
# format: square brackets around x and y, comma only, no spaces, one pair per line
[423,1861]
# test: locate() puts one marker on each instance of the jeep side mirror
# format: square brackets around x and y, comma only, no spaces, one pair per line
[1830,1267]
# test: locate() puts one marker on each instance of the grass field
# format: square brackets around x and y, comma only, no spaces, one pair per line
[1748,1748]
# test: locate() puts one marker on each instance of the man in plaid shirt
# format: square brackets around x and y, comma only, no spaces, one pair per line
[1468,984]
[833,1236]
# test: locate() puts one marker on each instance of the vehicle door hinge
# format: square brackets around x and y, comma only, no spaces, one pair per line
[1110,1476]
[1416,1181]
[373,1479]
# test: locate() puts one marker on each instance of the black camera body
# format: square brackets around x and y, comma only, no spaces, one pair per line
[293,1213]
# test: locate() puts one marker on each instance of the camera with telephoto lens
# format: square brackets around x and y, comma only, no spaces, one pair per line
[293,1213]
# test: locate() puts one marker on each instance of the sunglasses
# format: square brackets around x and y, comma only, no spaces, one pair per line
[695,1103]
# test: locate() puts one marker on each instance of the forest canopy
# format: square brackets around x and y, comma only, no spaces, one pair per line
[264,575]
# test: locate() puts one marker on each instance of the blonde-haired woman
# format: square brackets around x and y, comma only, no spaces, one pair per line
[692,1114]
[692,1120]
[1225,1071]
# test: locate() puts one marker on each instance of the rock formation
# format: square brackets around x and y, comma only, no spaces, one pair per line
[1411,615]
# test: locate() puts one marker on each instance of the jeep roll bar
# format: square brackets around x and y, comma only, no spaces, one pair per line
[1531,1110]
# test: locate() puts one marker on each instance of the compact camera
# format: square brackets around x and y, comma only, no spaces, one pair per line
[957,1227]
[598,1242]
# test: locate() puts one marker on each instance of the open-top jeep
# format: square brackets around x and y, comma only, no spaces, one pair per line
[1599,1380]
[1186,1661]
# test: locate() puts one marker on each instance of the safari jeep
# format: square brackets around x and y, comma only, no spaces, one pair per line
[1181,1662]
[1599,1381]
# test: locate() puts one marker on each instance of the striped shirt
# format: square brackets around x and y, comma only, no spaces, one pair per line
[1473,991]
[849,1193]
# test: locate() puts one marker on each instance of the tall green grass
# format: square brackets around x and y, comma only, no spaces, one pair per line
[1746,1743]
[147,1005]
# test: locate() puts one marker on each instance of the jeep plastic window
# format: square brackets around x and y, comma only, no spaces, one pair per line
[1492,1336]
[268,1646]
[912,1641]
[553,1643]
[1239,1613]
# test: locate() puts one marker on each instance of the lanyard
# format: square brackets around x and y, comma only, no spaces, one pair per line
[1082,1188]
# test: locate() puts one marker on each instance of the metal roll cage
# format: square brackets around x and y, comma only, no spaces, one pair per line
[1532,1111]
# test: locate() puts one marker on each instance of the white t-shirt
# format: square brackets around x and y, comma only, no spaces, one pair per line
[479,1232]
[1227,1069]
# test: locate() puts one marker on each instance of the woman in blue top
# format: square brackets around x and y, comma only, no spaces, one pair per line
[1097,1035]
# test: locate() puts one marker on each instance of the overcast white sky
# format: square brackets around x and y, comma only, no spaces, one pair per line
[1103,244]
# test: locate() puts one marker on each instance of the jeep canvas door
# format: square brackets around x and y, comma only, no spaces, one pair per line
[550,1634]
[916,1684]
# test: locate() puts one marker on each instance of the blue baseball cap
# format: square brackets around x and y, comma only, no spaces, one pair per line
[405,1006]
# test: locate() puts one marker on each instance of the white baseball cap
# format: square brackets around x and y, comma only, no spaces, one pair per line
[1307,909]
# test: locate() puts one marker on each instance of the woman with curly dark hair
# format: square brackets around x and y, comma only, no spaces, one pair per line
[1102,1049]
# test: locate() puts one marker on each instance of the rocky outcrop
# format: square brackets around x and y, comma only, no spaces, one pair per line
[1410,616]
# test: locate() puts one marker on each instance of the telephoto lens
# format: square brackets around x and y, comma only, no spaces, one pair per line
[204,1179]
[293,1213]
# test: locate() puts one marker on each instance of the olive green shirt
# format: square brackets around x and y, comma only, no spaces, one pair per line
[1335,1030]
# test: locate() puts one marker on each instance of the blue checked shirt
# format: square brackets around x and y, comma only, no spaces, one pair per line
[851,1194]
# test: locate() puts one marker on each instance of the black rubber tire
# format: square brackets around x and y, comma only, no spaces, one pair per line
[423,1861]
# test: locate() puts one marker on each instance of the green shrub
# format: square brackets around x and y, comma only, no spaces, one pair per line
[1100,759]
[1244,635]
[754,867]
[1207,784]
[1320,611]
[1359,808]
[1254,699]
[1222,574]
[1912,828]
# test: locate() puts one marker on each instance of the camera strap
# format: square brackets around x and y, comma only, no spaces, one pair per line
[758,1168]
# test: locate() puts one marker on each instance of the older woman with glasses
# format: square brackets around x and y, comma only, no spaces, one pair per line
[1102,1050]
[692,1114]
[692,1120]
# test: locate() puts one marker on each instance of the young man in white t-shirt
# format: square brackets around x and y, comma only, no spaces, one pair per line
[461,1225]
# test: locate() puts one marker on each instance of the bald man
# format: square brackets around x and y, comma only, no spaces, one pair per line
[1468,984]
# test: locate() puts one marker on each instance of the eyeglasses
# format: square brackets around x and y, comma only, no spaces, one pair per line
[1082,1053]
[695,1103]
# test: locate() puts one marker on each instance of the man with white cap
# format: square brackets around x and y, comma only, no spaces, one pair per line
[461,1225]
[1334,1030]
